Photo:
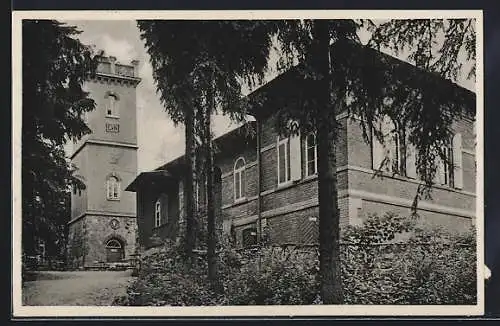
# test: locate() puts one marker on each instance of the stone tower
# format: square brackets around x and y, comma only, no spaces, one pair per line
[103,216]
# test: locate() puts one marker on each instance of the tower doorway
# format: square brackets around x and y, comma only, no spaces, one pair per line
[114,251]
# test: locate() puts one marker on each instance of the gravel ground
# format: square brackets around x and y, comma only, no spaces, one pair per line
[82,288]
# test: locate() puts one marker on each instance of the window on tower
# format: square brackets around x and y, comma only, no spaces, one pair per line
[112,109]
[113,188]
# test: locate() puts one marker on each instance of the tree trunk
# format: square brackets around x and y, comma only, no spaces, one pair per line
[329,215]
[190,236]
[209,172]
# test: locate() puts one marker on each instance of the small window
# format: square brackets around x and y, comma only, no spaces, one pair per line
[158,213]
[112,105]
[283,151]
[239,179]
[311,155]
[113,188]
[249,237]
[161,211]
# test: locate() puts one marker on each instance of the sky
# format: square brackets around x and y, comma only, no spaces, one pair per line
[158,139]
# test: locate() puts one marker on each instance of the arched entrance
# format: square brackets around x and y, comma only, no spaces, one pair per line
[114,250]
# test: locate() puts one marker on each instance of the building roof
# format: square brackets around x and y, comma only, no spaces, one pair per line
[149,178]
[241,133]
[294,85]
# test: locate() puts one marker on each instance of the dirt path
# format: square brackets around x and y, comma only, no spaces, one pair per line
[88,288]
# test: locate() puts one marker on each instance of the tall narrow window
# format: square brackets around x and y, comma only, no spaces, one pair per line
[386,153]
[112,109]
[239,179]
[448,166]
[411,160]
[283,160]
[311,155]
[158,213]
[161,210]
[200,192]
[196,195]
[458,177]
[444,167]
[113,188]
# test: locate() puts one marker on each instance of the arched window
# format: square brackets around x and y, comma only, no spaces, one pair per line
[113,244]
[161,211]
[112,109]
[311,155]
[239,179]
[113,188]
[158,213]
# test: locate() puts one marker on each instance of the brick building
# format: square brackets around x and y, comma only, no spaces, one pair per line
[103,216]
[261,176]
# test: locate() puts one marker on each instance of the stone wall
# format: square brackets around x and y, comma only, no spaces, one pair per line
[88,237]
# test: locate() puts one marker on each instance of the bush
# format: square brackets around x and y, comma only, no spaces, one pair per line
[274,276]
[390,260]
[387,260]
[165,278]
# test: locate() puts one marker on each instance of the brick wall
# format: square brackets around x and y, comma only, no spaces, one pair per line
[449,207]
[289,211]
[360,152]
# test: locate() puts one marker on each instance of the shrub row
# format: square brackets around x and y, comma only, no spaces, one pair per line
[387,260]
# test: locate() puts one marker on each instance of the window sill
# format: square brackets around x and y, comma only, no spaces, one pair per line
[289,184]
[284,185]
[159,226]
[240,200]
[385,174]
[112,116]
[113,199]
[310,177]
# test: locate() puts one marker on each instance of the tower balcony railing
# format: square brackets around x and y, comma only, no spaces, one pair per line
[124,70]
[107,65]
[104,67]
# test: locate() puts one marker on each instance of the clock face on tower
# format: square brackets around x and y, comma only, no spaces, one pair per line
[115,155]
[115,224]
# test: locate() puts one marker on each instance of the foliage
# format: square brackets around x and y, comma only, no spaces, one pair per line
[189,57]
[370,85]
[348,76]
[166,268]
[386,260]
[345,75]
[275,276]
[198,67]
[55,66]
[392,260]
[438,48]
[421,39]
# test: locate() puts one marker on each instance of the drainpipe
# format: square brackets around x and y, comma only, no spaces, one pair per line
[259,176]
[259,188]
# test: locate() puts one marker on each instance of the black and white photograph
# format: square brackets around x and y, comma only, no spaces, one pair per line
[248,163]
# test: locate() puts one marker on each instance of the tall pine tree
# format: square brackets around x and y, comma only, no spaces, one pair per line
[54,67]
